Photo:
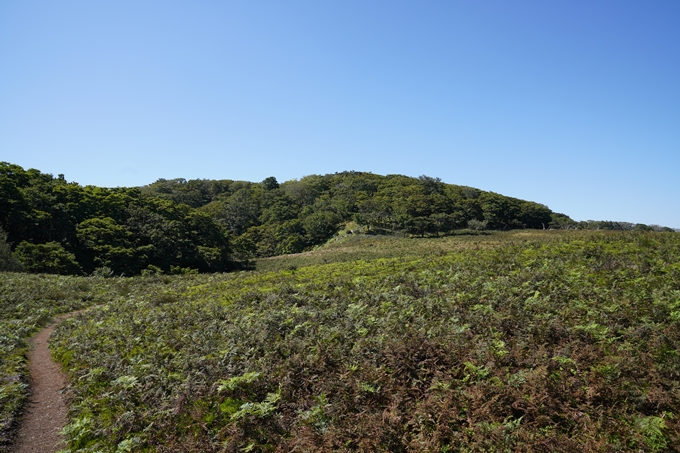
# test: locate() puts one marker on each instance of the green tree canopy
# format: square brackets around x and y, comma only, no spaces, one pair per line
[175,225]
[49,258]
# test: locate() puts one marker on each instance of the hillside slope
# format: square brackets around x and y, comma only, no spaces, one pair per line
[557,342]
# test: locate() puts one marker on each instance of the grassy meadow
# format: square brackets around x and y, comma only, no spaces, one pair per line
[519,341]
[345,247]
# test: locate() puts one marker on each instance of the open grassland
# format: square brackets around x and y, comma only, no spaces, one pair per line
[343,248]
[546,342]
[352,247]
[520,341]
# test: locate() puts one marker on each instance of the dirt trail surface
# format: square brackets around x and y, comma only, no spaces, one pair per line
[46,410]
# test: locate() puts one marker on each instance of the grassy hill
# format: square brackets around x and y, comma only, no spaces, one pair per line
[50,225]
[351,247]
[540,341]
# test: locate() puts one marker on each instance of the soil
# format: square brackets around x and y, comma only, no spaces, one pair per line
[45,413]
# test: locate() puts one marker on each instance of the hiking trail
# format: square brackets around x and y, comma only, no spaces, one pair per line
[45,413]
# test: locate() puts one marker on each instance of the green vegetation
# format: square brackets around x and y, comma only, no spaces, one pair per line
[8,261]
[270,219]
[352,247]
[555,341]
[411,322]
[178,226]
[63,228]
[27,303]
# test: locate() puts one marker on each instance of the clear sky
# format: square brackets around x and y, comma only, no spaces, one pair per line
[574,104]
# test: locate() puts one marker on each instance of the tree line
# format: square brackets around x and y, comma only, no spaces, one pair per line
[61,227]
[202,225]
[269,218]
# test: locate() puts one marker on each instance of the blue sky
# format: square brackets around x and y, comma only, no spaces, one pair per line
[574,104]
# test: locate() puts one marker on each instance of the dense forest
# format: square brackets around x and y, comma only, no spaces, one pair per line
[180,226]
[65,228]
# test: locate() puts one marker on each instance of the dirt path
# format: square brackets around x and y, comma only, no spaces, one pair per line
[46,411]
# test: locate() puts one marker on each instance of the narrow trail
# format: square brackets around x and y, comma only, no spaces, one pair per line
[46,410]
